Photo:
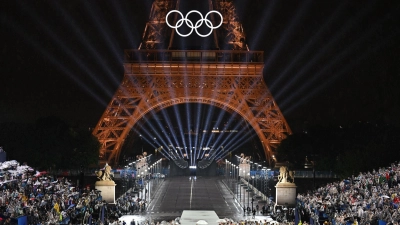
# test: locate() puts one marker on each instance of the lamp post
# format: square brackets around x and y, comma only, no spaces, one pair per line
[244,196]
[158,171]
[233,178]
[255,176]
[239,191]
[151,180]
[142,184]
[268,189]
[138,181]
[230,174]
[239,188]
[248,190]
[263,176]
[226,169]
[248,180]
[252,200]
[147,186]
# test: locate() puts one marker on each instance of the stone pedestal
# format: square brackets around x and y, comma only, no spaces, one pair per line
[286,194]
[107,188]
[244,170]
[142,167]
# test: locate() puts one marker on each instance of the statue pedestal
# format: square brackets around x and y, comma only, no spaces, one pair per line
[107,188]
[286,194]
[244,170]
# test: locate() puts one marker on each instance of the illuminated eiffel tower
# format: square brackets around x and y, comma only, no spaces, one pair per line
[157,76]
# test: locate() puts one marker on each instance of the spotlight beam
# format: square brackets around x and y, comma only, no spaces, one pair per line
[105,33]
[266,18]
[127,29]
[336,60]
[82,37]
[169,123]
[188,119]
[237,142]
[321,87]
[57,63]
[323,51]
[306,47]
[165,155]
[104,30]
[170,126]
[181,130]
[68,51]
[287,33]
[152,144]
[197,122]
[219,119]
[207,126]
[236,127]
[160,138]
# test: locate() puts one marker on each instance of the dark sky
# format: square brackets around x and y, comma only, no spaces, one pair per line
[326,62]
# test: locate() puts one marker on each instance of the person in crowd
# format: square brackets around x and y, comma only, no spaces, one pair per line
[364,199]
[368,198]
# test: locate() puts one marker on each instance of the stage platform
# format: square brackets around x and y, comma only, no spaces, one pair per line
[190,217]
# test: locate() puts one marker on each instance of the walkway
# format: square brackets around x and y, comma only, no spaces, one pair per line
[181,193]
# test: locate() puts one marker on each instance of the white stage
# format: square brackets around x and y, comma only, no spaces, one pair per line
[128,219]
[190,217]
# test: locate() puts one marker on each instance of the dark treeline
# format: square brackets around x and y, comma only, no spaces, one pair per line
[50,143]
[360,147]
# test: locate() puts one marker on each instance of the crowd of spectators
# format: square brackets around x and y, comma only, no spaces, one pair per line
[368,198]
[40,198]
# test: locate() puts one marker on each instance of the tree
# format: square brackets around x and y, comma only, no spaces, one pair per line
[294,149]
[49,144]
[344,150]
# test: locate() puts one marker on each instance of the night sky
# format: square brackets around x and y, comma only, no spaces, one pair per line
[327,62]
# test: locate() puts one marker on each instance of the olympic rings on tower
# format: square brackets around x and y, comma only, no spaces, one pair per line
[189,23]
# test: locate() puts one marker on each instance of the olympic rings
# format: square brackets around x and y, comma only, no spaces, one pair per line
[189,23]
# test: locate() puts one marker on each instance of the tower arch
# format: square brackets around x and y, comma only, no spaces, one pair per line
[156,77]
[235,84]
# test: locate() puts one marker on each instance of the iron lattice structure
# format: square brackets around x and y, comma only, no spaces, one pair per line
[232,33]
[156,29]
[156,78]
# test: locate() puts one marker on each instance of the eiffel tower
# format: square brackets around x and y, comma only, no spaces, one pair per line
[158,75]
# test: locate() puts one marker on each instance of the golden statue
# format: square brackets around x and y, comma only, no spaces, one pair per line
[285,175]
[104,174]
